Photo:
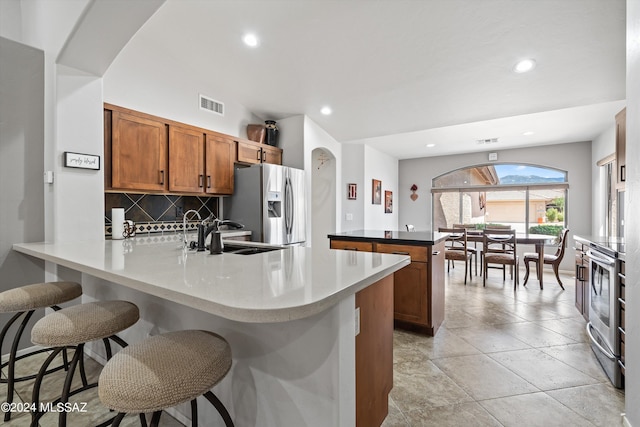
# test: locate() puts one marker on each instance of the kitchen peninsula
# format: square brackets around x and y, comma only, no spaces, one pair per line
[289,315]
[418,288]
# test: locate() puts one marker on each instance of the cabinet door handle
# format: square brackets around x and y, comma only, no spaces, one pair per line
[623,173]
[350,249]
[201,181]
[435,253]
[161,177]
[208,181]
[401,253]
[259,153]
[264,156]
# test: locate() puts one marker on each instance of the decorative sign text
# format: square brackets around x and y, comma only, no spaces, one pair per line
[82,161]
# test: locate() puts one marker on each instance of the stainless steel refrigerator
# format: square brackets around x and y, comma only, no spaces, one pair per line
[270,201]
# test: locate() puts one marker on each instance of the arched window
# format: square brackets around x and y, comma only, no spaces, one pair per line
[530,198]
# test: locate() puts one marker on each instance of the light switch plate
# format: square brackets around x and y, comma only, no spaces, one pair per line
[48,177]
[349,217]
[357,320]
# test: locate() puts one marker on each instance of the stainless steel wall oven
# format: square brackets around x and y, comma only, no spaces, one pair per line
[603,311]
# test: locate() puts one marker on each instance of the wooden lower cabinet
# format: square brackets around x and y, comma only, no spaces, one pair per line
[374,352]
[418,288]
[410,303]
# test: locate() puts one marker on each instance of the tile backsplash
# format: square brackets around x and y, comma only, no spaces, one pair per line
[158,213]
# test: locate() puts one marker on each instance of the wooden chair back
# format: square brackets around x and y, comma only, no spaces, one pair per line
[457,239]
[499,241]
[562,244]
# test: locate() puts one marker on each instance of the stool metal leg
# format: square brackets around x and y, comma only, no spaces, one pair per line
[35,397]
[78,356]
[118,419]
[155,419]
[220,407]
[194,413]
[12,355]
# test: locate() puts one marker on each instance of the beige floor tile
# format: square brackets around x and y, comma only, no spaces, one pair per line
[464,414]
[601,404]
[395,417]
[446,344]
[533,410]
[482,377]
[542,370]
[573,328]
[422,384]
[535,335]
[579,356]
[488,339]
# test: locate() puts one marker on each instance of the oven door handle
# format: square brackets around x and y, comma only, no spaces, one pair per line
[601,260]
[604,351]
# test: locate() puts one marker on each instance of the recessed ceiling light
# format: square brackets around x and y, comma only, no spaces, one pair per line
[250,40]
[528,133]
[326,110]
[431,145]
[524,66]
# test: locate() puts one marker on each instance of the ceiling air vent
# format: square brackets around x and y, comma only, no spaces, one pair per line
[487,141]
[211,105]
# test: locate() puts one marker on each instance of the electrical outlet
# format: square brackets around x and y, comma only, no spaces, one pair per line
[179,211]
[349,217]
[357,320]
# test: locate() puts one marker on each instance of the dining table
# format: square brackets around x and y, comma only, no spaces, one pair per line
[538,240]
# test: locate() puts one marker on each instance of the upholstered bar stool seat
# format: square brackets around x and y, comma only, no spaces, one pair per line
[84,322]
[164,371]
[24,301]
[74,327]
[39,295]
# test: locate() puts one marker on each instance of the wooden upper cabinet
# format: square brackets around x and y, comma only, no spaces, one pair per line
[621,146]
[138,153]
[220,157]
[186,160]
[253,152]
[272,155]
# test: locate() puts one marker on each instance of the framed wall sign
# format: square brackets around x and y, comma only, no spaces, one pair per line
[388,202]
[352,191]
[376,192]
[81,161]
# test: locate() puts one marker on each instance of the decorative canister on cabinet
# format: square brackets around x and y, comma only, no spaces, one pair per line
[272,132]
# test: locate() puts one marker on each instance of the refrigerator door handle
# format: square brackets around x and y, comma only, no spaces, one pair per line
[288,206]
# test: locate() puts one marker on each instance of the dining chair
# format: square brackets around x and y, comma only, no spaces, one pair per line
[475,250]
[456,249]
[553,260]
[499,247]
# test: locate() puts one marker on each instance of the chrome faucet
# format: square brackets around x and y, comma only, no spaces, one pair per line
[185,243]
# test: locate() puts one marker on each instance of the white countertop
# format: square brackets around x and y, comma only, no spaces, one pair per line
[276,286]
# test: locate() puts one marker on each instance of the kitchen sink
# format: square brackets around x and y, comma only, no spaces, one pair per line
[247,250]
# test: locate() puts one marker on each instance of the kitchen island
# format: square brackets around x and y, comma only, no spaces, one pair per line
[289,316]
[419,287]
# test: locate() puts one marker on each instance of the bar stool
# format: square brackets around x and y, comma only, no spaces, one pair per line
[164,371]
[73,327]
[24,301]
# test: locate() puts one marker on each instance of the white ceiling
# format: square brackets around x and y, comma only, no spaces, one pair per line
[399,74]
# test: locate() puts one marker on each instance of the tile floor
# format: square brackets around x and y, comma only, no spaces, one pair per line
[502,359]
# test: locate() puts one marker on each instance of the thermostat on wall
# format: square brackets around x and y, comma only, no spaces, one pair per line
[493,157]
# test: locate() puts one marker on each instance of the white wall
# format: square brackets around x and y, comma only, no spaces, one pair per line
[601,147]
[327,215]
[380,166]
[632,392]
[134,80]
[353,173]
[21,164]
[291,140]
[575,158]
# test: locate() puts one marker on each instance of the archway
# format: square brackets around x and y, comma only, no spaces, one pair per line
[323,195]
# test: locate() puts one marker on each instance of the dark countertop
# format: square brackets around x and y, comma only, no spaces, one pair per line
[613,244]
[422,238]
